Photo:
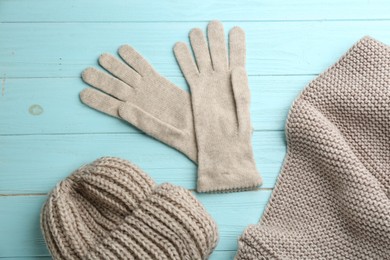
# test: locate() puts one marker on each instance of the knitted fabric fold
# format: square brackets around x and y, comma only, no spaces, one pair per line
[169,224]
[332,198]
[110,209]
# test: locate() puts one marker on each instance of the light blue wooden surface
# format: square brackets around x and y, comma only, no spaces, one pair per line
[45,132]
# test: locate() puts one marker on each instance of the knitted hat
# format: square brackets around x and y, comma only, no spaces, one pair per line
[332,199]
[110,209]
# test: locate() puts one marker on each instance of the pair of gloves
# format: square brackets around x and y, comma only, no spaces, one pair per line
[211,126]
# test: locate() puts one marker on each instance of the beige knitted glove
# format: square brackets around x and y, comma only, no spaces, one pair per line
[221,107]
[142,97]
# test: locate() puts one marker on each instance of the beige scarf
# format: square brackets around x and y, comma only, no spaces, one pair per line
[332,200]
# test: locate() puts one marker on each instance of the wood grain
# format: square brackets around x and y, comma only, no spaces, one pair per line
[61,112]
[190,10]
[273,48]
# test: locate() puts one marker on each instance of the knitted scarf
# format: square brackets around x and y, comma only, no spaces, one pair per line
[332,199]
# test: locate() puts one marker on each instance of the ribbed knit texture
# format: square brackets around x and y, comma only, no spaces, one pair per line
[332,199]
[110,209]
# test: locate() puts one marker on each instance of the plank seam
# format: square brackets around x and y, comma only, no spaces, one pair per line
[175,76]
[45,194]
[113,133]
[207,20]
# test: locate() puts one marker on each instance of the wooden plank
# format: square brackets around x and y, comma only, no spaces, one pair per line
[32,257]
[52,106]
[19,216]
[218,255]
[20,229]
[190,10]
[233,212]
[282,48]
[35,163]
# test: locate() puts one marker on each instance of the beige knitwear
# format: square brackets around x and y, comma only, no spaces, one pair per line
[135,92]
[110,209]
[332,199]
[220,100]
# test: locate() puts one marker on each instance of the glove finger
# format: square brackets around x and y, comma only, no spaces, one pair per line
[100,101]
[218,49]
[135,60]
[242,99]
[237,48]
[201,50]
[107,83]
[120,70]
[186,62]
